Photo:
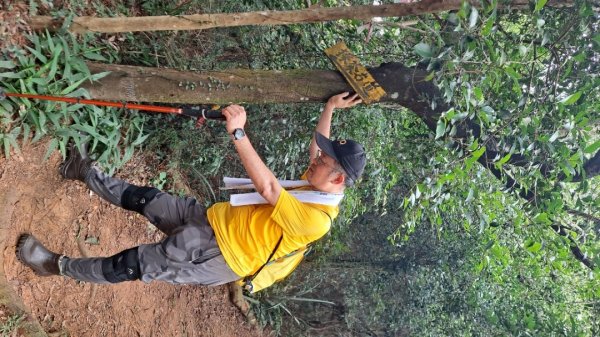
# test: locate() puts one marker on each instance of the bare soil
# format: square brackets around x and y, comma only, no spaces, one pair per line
[69,219]
[13,23]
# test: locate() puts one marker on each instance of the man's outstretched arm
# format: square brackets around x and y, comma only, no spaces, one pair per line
[340,101]
[263,179]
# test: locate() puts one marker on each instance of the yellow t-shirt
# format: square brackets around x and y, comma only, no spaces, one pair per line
[248,234]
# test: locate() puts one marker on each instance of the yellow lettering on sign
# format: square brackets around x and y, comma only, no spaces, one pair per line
[357,76]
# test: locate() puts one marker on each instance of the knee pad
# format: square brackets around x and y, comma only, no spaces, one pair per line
[124,266]
[136,198]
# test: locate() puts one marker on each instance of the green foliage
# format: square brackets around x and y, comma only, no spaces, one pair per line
[500,71]
[160,181]
[497,294]
[55,65]
[9,325]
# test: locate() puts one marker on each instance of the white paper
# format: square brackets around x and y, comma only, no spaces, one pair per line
[245,183]
[313,197]
[230,181]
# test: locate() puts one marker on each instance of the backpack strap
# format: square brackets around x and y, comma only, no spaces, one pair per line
[308,248]
[248,279]
[329,216]
[247,282]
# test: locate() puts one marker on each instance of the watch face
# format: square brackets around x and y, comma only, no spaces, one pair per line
[238,133]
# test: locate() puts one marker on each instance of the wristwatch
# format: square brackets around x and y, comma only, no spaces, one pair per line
[238,134]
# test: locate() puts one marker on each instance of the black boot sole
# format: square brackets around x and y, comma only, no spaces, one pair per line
[21,242]
[62,168]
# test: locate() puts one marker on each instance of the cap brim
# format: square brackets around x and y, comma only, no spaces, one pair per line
[325,145]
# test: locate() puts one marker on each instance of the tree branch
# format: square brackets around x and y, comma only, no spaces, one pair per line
[591,168]
[579,255]
[584,215]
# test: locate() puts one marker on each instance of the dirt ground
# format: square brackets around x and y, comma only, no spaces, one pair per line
[13,23]
[69,219]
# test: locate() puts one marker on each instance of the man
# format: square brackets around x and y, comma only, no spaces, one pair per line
[223,243]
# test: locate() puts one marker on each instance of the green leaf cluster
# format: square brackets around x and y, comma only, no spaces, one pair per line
[55,65]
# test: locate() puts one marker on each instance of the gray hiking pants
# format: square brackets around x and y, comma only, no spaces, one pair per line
[188,255]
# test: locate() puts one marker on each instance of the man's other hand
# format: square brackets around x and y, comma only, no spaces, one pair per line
[235,116]
[344,100]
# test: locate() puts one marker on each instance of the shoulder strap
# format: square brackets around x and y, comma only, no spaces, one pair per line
[249,278]
[329,216]
[309,246]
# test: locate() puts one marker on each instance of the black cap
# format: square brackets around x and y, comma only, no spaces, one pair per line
[350,154]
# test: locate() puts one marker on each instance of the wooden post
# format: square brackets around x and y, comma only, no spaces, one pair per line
[143,84]
[405,86]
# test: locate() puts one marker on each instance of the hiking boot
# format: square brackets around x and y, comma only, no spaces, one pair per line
[77,165]
[35,256]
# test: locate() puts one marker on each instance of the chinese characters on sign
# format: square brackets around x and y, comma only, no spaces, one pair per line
[357,76]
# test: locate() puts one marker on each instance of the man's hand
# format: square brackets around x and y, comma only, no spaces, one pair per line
[343,101]
[235,116]
[339,101]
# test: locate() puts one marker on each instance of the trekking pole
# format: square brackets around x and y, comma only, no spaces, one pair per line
[202,112]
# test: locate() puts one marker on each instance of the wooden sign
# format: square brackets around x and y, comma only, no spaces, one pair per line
[357,76]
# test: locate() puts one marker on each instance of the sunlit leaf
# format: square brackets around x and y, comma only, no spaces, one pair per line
[593,147]
[11,75]
[512,73]
[503,160]
[92,240]
[542,218]
[534,247]
[38,55]
[52,146]
[473,17]
[7,64]
[98,76]
[571,99]
[440,129]
[424,50]
[95,57]
[539,4]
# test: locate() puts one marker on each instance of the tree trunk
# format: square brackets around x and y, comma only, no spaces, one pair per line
[405,86]
[142,84]
[86,24]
